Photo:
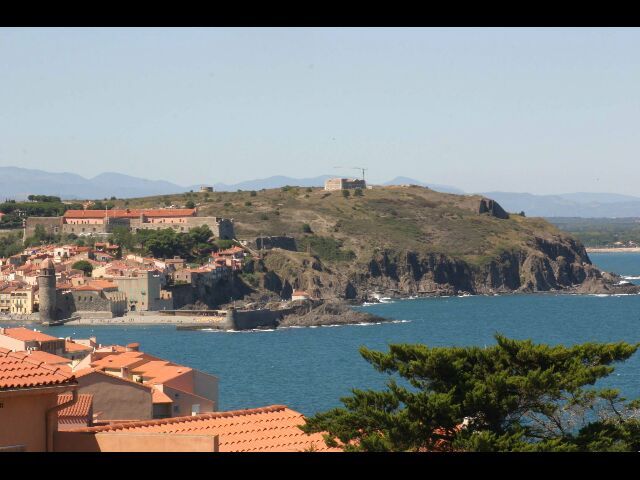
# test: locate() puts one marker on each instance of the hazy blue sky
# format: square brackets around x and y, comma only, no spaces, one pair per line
[538,110]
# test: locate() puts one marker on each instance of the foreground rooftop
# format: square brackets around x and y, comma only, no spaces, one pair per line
[266,429]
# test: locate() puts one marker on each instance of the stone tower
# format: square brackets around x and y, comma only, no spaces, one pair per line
[47,288]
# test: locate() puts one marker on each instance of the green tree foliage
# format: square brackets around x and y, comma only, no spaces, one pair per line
[358,192]
[190,204]
[41,236]
[98,205]
[10,244]
[44,198]
[306,228]
[514,396]
[346,193]
[167,243]
[326,248]
[223,244]
[83,265]
[122,236]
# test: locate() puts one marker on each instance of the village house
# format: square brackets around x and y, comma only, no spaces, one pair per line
[232,257]
[115,398]
[29,405]
[177,390]
[22,301]
[20,339]
[5,296]
[299,295]
[267,429]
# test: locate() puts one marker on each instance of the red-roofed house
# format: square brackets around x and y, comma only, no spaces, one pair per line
[183,390]
[22,339]
[299,295]
[29,392]
[76,415]
[115,398]
[266,429]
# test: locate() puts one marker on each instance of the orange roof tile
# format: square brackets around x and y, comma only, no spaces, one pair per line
[124,359]
[81,410]
[131,213]
[71,347]
[160,397]
[266,429]
[17,370]
[88,371]
[24,334]
[48,358]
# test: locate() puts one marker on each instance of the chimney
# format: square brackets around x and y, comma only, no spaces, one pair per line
[2,330]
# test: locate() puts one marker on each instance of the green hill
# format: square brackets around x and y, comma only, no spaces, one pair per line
[394,240]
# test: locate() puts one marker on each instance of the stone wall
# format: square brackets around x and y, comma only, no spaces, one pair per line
[250,319]
[221,227]
[52,225]
[90,303]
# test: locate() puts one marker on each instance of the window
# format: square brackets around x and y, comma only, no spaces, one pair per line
[195,409]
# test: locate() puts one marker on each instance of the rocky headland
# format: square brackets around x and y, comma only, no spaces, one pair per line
[401,241]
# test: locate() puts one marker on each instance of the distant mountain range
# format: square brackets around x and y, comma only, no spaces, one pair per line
[18,183]
[581,204]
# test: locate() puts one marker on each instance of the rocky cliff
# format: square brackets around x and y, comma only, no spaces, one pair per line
[545,265]
[400,241]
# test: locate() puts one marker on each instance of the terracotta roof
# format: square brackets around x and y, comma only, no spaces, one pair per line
[266,429]
[48,358]
[124,359]
[88,371]
[131,213]
[81,410]
[17,370]
[160,397]
[25,334]
[76,347]
[160,371]
[85,371]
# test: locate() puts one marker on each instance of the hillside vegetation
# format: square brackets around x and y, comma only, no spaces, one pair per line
[410,218]
[399,240]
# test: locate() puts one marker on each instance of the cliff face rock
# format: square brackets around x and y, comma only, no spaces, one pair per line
[493,208]
[329,313]
[545,264]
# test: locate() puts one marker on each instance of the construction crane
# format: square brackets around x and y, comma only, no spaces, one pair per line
[356,168]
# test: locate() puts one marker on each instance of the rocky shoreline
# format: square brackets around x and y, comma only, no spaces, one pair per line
[330,313]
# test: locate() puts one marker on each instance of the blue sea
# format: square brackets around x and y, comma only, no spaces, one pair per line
[309,369]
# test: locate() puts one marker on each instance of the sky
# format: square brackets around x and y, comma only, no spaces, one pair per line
[539,110]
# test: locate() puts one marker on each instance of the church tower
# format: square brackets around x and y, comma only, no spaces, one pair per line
[47,288]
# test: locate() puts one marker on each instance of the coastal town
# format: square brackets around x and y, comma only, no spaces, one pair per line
[68,282]
[76,394]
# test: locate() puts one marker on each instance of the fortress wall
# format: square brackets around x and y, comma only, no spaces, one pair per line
[52,225]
